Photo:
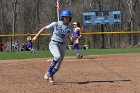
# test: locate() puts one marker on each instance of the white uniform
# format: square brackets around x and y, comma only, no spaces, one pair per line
[60,31]
[58,42]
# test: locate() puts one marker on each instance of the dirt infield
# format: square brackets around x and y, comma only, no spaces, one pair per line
[118,73]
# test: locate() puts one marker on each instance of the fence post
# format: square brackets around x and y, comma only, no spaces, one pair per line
[38,44]
[11,43]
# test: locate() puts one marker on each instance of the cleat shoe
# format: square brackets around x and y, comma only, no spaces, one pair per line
[79,57]
[51,80]
[46,76]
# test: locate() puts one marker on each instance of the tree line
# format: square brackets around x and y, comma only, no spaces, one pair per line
[28,16]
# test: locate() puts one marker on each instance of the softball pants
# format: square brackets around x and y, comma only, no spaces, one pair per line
[58,51]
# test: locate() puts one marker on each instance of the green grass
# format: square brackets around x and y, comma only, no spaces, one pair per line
[46,53]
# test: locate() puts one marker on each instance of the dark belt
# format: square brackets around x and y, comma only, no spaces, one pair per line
[58,42]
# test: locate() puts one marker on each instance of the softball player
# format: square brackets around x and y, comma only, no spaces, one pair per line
[30,43]
[58,42]
[75,38]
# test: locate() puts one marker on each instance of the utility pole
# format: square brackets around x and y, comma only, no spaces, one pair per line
[14,21]
[130,9]
[102,26]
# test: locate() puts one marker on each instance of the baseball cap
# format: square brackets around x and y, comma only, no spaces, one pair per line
[75,23]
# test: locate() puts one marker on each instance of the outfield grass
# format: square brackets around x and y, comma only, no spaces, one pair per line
[46,53]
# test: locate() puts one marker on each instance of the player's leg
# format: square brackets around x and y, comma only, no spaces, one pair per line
[31,46]
[54,49]
[62,49]
[77,50]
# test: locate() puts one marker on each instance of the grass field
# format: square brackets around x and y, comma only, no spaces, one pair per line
[46,53]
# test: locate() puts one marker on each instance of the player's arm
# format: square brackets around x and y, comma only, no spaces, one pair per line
[43,29]
[79,32]
[79,37]
[39,32]
[70,35]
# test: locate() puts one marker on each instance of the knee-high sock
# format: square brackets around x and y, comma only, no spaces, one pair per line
[54,71]
[51,68]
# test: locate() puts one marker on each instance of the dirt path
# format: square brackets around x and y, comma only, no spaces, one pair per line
[93,74]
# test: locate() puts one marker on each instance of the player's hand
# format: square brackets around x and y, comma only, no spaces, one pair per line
[34,38]
[71,39]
